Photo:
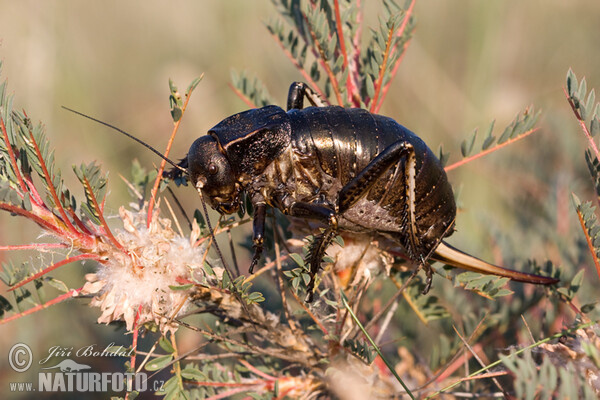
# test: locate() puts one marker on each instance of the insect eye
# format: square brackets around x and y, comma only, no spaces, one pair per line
[212,168]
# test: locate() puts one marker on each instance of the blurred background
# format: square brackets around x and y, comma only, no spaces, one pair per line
[470,62]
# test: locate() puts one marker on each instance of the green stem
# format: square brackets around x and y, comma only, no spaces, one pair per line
[387,363]
[498,362]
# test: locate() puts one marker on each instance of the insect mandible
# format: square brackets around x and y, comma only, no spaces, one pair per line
[348,168]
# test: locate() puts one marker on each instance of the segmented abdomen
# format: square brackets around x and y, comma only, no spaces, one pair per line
[337,143]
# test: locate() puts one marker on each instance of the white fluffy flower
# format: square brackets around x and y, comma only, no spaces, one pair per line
[139,282]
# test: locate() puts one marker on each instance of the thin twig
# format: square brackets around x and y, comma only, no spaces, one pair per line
[582,124]
[98,209]
[350,87]
[382,69]
[516,353]
[13,159]
[310,313]
[479,360]
[34,246]
[364,331]
[281,286]
[134,341]
[71,293]
[391,301]
[589,241]
[241,95]
[174,217]
[490,150]
[55,266]
[51,188]
[35,218]
[181,209]
[313,85]
[400,33]
[164,162]
[325,64]
[300,358]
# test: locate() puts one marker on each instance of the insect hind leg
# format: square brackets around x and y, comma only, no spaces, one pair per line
[366,179]
[298,91]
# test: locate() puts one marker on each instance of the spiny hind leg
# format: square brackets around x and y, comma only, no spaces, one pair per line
[364,181]
[358,187]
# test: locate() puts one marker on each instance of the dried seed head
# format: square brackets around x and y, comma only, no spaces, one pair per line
[580,351]
[139,282]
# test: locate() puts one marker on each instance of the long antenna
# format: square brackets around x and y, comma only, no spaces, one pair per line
[158,153]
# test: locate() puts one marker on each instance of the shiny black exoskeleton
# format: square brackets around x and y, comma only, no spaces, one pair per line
[351,169]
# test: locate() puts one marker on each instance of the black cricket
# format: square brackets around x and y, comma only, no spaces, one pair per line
[346,167]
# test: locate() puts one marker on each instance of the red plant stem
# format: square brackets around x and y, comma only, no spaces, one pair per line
[79,223]
[388,84]
[340,35]
[134,341]
[54,266]
[355,51]
[228,393]
[257,371]
[582,124]
[51,188]
[313,85]
[29,215]
[62,297]
[107,231]
[35,196]
[13,159]
[401,30]
[164,162]
[34,246]
[239,94]
[589,242]
[325,65]
[382,69]
[490,150]
[229,384]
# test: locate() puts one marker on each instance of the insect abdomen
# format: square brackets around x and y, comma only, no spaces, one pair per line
[344,141]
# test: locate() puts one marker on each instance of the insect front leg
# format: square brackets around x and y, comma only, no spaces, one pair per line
[258,233]
[296,94]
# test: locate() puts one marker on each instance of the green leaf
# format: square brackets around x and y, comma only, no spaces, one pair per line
[166,345]
[55,283]
[298,259]
[193,374]
[489,138]
[4,306]
[467,145]
[339,241]
[159,362]
[175,102]
[193,85]
[588,308]
[181,287]
[571,82]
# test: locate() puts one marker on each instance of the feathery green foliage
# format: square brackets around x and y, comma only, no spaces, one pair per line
[256,336]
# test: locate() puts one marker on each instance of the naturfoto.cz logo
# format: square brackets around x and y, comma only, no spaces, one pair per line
[70,376]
